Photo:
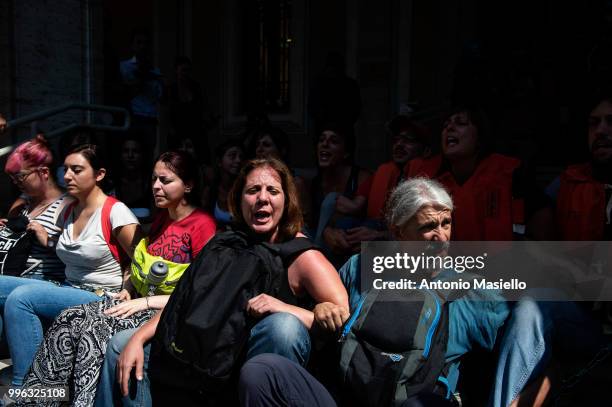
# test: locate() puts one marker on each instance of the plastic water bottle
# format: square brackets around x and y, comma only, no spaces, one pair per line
[157,274]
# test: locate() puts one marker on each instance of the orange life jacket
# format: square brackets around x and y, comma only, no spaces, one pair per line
[484,206]
[581,204]
[383,181]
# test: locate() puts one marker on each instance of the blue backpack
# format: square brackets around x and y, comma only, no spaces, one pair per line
[393,348]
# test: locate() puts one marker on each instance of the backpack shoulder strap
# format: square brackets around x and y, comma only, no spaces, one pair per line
[65,202]
[107,228]
[69,209]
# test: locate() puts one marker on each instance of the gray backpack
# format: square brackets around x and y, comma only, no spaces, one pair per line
[393,348]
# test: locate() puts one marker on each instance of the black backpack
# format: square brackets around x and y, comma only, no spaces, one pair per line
[201,337]
[15,246]
[393,347]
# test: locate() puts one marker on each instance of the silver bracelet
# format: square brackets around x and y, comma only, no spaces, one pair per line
[147,300]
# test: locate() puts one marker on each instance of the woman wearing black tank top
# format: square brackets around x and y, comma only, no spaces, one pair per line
[337,176]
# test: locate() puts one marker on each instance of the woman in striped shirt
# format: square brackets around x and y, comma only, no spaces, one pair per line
[41,202]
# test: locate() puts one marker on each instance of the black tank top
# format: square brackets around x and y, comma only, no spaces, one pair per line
[285,293]
[350,188]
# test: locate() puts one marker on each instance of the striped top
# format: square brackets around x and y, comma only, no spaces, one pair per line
[42,260]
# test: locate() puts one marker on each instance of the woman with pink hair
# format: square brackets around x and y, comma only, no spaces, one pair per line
[41,202]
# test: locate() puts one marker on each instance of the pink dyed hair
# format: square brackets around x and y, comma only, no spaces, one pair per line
[35,153]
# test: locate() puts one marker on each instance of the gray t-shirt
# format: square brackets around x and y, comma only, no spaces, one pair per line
[88,259]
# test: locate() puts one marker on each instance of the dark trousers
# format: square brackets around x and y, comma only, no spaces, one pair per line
[270,380]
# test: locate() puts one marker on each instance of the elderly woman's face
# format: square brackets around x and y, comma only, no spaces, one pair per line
[263,201]
[428,224]
[459,137]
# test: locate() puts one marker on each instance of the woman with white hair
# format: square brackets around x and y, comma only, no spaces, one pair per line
[417,199]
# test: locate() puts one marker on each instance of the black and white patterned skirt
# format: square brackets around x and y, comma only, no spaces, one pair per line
[73,350]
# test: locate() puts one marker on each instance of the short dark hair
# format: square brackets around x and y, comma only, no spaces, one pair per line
[401,123]
[292,221]
[344,130]
[184,166]
[596,97]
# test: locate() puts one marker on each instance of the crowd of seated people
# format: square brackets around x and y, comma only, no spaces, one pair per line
[420,209]
[83,316]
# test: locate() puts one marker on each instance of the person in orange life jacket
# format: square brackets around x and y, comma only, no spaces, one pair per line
[488,188]
[409,140]
[583,192]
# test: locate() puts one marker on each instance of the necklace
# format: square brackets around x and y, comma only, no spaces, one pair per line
[40,207]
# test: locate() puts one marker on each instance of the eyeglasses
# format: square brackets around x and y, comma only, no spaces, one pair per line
[22,175]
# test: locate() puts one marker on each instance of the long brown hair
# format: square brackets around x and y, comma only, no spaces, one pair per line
[291,222]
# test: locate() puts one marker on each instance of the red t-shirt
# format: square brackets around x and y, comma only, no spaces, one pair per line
[180,241]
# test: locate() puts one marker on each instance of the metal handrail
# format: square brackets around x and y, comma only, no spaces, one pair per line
[75,105]
[62,108]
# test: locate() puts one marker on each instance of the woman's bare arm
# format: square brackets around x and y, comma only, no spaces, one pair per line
[132,356]
[128,237]
[313,273]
